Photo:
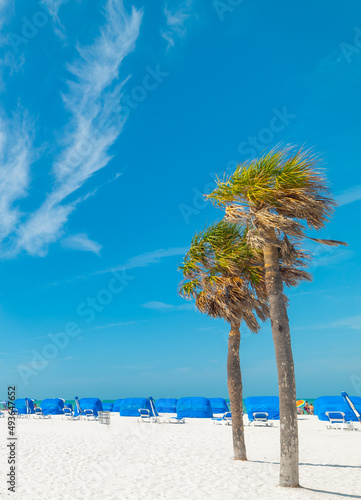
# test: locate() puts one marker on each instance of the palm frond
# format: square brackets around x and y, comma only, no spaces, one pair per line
[331,243]
[225,276]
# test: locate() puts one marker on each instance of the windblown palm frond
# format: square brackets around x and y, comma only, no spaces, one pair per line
[284,190]
[225,276]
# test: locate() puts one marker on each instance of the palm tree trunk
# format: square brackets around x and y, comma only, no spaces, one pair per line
[289,457]
[235,392]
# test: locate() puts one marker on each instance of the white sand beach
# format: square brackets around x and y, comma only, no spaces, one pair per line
[64,460]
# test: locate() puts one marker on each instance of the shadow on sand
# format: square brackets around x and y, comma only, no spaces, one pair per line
[345,495]
[336,493]
[313,465]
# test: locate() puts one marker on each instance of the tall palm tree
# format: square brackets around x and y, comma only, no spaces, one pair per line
[225,277]
[275,196]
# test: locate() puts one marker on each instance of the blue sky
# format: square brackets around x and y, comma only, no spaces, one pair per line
[114,120]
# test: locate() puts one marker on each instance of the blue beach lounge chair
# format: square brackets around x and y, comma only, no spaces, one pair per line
[261,418]
[68,414]
[38,413]
[90,415]
[226,419]
[337,421]
[145,416]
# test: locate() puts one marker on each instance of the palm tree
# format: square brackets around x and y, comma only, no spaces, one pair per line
[275,196]
[225,277]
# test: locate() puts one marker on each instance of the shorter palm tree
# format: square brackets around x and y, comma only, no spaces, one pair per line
[225,277]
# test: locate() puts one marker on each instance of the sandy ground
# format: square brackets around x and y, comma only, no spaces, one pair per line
[59,459]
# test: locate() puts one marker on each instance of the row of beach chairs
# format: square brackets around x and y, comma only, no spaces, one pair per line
[146,417]
[336,419]
[259,418]
[68,414]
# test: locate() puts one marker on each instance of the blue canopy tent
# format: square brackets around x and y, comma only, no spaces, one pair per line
[88,404]
[107,406]
[166,405]
[52,406]
[24,406]
[194,408]
[267,404]
[218,405]
[336,403]
[129,407]
[116,405]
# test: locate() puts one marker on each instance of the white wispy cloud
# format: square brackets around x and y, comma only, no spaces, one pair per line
[139,261]
[111,325]
[162,306]
[4,4]
[16,155]
[93,96]
[146,259]
[81,242]
[350,322]
[176,18]
[349,195]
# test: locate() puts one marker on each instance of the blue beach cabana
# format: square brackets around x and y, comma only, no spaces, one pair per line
[24,406]
[218,405]
[336,404]
[116,405]
[194,408]
[52,406]
[263,404]
[130,407]
[166,405]
[93,404]
[107,406]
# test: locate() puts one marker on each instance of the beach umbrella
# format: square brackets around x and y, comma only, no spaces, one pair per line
[348,401]
[27,405]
